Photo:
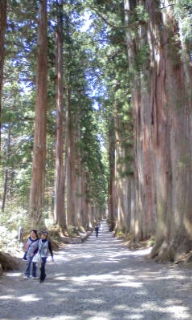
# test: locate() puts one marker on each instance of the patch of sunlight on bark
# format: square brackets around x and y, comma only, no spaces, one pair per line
[136,227]
[188,225]
[162,228]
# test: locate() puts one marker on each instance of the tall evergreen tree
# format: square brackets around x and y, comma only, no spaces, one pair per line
[39,148]
[59,210]
[3,19]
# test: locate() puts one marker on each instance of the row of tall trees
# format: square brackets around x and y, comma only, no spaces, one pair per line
[51,161]
[153,197]
[162,106]
[112,122]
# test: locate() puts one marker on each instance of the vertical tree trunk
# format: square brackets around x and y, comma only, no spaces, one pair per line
[123,172]
[39,148]
[144,224]
[84,212]
[6,175]
[172,110]
[71,179]
[3,20]
[59,210]
[162,116]
[111,188]
[6,178]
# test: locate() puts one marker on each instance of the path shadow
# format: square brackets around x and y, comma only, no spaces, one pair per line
[99,281]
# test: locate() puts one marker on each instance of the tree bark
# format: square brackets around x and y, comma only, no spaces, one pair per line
[59,210]
[71,169]
[3,22]
[6,175]
[162,122]
[111,184]
[143,225]
[39,148]
[173,116]
[124,176]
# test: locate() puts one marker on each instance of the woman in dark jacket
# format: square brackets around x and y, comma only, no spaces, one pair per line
[43,250]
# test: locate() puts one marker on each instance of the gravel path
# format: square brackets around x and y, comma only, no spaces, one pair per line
[99,280]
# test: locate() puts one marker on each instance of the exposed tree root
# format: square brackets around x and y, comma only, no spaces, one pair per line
[175,251]
[8,262]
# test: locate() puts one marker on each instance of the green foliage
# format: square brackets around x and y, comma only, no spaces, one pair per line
[72,231]
[91,157]
[141,13]
[113,94]
[96,73]
[183,12]
[142,58]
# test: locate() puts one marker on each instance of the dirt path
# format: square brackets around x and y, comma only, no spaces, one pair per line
[99,280]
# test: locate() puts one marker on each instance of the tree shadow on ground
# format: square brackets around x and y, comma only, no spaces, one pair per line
[107,283]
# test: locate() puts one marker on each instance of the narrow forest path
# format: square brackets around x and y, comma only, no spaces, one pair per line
[99,280]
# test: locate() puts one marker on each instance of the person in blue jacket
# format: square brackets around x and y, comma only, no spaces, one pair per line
[44,249]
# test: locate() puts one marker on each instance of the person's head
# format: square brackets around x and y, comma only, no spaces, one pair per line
[34,234]
[44,235]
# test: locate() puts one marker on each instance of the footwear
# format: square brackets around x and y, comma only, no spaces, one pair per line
[26,277]
[34,278]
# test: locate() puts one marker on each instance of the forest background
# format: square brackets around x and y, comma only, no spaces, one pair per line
[96,118]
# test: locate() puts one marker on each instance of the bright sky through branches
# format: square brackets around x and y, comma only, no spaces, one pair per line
[87,21]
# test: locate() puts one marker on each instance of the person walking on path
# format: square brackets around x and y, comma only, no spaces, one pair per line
[97,230]
[31,248]
[43,251]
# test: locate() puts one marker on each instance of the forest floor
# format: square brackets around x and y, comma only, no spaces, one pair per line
[99,279]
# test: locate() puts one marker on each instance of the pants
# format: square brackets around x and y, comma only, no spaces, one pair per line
[28,268]
[42,268]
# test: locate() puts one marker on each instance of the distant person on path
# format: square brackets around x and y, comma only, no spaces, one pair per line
[31,248]
[44,249]
[97,230]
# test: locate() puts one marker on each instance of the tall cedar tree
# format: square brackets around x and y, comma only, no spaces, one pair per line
[3,19]
[39,148]
[59,210]
[162,113]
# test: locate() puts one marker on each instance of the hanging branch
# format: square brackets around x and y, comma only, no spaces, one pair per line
[130,24]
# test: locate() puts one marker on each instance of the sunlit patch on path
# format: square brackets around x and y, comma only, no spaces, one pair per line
[99,280]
